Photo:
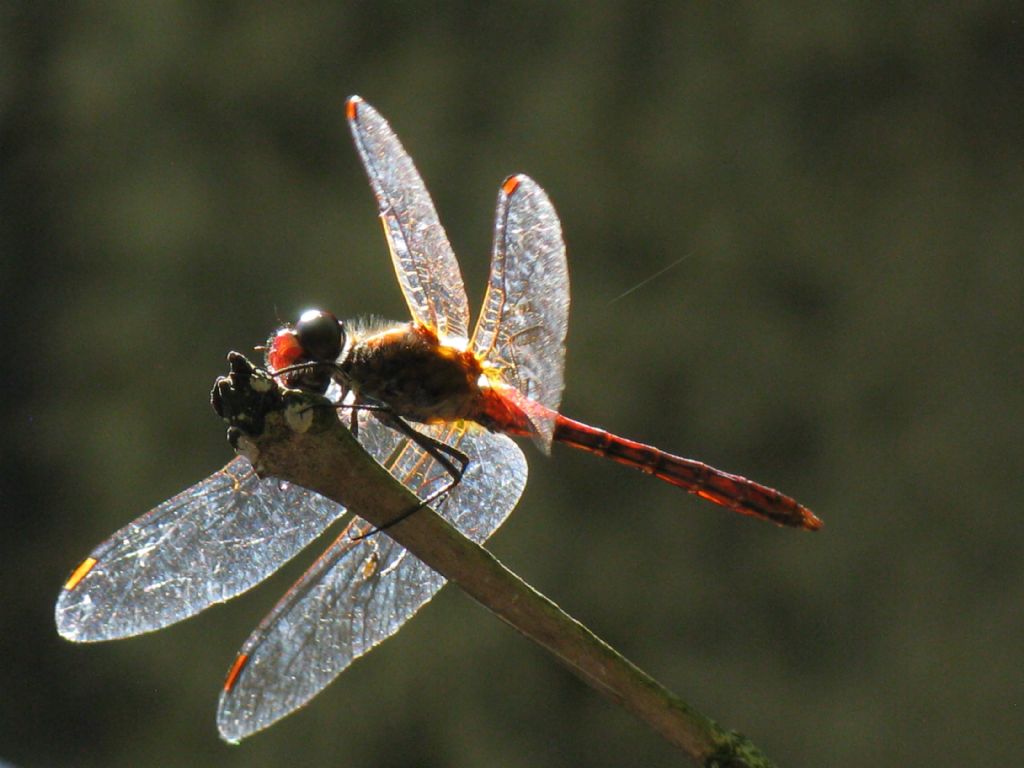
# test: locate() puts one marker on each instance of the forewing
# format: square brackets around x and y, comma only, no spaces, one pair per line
[525,316]
[205,545]
[361,592]
[424,262]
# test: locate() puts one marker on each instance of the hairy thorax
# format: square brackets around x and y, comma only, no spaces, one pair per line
[406,368]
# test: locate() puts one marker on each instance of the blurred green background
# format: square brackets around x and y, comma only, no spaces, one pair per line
[841,186]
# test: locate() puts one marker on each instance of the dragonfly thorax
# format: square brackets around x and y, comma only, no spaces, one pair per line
[407,368]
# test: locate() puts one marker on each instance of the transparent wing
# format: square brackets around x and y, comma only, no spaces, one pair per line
[525,315]
[424,262]
[205,545]
[360,592]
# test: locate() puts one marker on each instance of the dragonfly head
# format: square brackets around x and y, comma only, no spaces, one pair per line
[316,339]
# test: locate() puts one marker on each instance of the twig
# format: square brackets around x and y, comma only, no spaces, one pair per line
[297,437]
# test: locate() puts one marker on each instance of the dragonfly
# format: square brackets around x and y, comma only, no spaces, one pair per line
[435,404]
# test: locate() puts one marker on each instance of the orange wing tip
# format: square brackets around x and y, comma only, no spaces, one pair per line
[352,107]
[79,573]
[511,184]
[236,670]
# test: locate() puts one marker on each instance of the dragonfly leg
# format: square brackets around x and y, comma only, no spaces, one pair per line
[450,458]
[313,375]
[353,412]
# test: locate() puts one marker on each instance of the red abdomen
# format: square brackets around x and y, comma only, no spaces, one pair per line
[506,411]
[737,493]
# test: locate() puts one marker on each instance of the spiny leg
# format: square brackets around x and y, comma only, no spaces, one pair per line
[451,459]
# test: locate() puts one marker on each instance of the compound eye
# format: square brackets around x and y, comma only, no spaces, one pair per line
[320,335]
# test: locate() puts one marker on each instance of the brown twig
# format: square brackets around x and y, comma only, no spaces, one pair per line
[297,437]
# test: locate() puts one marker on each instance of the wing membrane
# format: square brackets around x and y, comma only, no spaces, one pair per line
[424,262]
[361,592]
[525,315]
[205,545]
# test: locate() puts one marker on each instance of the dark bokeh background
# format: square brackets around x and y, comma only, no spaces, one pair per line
[841,185]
